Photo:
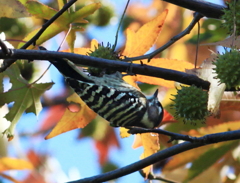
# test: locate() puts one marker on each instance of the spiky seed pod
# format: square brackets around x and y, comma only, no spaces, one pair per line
[103,52]
[228,68]
[191,104]
[232,17]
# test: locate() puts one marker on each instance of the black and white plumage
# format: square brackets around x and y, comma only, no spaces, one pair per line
[112,98]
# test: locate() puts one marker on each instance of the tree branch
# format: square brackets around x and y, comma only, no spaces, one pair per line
[207,9]
[149,56]
[161,155]
[174,136]
[120,66]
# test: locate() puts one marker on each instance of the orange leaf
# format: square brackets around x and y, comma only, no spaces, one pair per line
[137,141]
[73,120]
[7,163]
[167,64]
[140,42]
[103,145]
[52,117]
[150,143]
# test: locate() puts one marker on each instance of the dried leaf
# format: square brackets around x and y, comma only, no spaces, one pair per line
[173,64]
[73,120]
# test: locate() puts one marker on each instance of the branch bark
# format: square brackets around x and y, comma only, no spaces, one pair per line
[161,155]
[207,9]
[120,66]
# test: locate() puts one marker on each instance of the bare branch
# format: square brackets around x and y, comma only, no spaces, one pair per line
[161,155]
[120,66]
[207,9]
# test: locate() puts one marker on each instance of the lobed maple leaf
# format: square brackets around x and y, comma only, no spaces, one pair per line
[26,97]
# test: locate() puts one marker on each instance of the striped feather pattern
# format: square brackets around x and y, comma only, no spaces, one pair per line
[120,108]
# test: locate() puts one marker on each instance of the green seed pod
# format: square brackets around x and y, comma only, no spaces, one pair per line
[228,68]
[232,17]
[103,52]
[191,104]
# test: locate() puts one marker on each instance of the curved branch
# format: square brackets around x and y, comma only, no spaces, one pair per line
[207,9]
[161,155]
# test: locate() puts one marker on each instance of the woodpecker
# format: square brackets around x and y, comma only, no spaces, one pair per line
[112,98]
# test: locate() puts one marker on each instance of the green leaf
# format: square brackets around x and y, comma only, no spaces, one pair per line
[77,17]
[71,39]
[208,159]
[26,97]
[43,11]
[61,3]
[61,24]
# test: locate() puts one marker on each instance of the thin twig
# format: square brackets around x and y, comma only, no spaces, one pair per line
[119,26]
[159,156]
[197,46]
[149,56]
[207,9]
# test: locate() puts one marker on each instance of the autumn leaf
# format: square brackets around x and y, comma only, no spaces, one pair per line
[7,163]
[124,132]
[150,143]
[140,42]
[216,90]
[72,120]
[173,64]
[26,97]
[40,10]
[13,9]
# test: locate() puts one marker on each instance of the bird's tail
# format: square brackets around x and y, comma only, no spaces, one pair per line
[68,69]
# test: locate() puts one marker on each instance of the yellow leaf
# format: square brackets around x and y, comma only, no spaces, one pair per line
[73,120]
[140,42]
[150,143]
[173,64]
[231,125]
[7,163]
[84,51]
[124,132]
